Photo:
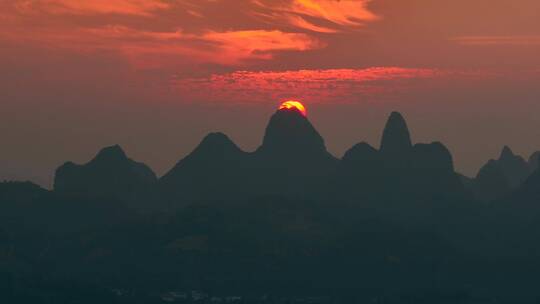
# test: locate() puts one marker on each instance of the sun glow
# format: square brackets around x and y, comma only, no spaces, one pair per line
[292,104]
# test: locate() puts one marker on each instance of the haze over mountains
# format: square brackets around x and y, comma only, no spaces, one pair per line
[293,160]
[395,223]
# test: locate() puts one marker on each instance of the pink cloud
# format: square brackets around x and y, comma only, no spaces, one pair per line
[332,85]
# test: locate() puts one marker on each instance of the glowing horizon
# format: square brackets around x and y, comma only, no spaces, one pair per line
[170,68]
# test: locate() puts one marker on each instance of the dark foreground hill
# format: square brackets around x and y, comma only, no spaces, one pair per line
[287,223]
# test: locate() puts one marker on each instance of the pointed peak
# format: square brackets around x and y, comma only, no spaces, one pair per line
[506,153]
[396,136]
[111,153]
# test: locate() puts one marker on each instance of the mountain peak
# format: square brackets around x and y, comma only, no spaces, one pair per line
[534,161]
[294,110]
[214,142]
[290,131]
[491,182]
[361,159]
[506,153]
[111,153]
[396,136]
[216,139]
[110,173]
[515,168]
[216,150]
[434,156]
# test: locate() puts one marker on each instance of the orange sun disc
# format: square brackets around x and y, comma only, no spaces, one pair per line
[292,104]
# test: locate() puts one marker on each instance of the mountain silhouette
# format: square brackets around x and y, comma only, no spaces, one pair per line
[110,173]
[491,182]
[214,169]
[534,161]
[530,190]
[288,214]
[290,134]
[499,177]
[20,191]
[514,167]
[293,155]
[361,161]
[359,173]
[396,151]
[399,170]
[433,157]
[434,170]
[292,158]
[521,209]
[396,139]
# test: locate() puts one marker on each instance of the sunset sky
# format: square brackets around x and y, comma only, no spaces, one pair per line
[156,75]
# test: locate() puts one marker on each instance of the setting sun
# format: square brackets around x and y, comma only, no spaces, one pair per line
[292,104]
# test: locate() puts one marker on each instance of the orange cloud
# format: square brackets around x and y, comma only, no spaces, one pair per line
[149,42]
[146,48]
[259,44]
[85,7]
[304,24]
[187,32]
[341,13]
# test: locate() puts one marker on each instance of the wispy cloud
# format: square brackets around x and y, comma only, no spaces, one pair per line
[498,40]
[197,36]
[227,48]
[84,7]
[328,16]
[238,45]
[302,23]
[342,12]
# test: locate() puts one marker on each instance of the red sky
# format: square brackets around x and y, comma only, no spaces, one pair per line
[156,75]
